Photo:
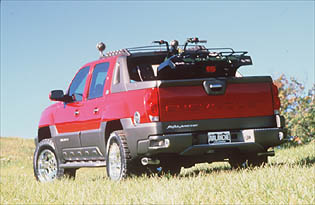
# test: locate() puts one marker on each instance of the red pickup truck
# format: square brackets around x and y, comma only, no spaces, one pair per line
[156,109]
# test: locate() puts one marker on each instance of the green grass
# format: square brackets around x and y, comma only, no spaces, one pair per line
[288,179]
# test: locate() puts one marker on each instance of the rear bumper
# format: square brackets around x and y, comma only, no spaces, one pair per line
[252,134]
[188,144]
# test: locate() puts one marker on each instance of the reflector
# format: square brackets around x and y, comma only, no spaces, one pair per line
[211,69]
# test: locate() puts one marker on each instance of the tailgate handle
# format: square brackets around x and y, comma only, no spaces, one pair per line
[215,86]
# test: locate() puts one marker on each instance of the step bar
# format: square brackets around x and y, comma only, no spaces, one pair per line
[79,164]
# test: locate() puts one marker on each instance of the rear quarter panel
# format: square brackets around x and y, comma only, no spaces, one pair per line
[124,105]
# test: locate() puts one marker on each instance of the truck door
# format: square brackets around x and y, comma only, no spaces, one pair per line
[67,116]
[92,135]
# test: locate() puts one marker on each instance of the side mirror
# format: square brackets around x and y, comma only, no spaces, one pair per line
[58,95]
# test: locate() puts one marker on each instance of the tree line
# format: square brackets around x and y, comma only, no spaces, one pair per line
[297,106]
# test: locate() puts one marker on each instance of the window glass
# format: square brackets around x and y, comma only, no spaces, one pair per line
[78,83]
[98,80]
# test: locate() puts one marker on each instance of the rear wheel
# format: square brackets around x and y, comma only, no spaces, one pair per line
[118,156]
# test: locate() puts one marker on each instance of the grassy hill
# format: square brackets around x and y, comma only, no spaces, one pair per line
[288,179]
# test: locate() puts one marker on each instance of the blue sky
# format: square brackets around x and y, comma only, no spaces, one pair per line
[44,43]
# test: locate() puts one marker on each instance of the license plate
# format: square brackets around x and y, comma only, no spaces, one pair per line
[219,137]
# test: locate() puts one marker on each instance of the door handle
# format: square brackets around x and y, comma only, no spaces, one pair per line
[215,86]
[76,113]
[95,111]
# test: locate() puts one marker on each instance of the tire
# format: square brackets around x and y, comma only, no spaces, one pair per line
[46,164]
[118,159]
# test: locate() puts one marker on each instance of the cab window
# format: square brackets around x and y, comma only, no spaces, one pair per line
[98,80]
[78,83]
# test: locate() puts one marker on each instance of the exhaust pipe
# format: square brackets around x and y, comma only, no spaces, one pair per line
[145,161]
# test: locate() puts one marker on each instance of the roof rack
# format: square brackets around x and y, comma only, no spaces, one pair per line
[118,52]
[190,48]
[129,51]
[148,49]
[214,51]
[186,48]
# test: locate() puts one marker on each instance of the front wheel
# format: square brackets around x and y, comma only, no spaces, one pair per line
[46,165]
[117,156]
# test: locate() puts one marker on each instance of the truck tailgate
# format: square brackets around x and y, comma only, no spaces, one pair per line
[215,98]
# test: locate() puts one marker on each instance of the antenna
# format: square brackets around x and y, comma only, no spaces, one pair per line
[101,47]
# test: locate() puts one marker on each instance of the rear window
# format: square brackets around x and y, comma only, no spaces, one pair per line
[149,68]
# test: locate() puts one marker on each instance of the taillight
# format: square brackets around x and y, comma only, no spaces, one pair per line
[276,99]
[151,103]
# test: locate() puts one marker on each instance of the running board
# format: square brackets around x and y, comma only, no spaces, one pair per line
[83,164]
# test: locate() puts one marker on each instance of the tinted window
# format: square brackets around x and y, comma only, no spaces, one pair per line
[98,80]
[78,83]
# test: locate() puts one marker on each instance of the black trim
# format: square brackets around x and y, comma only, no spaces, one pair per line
[134,134]
[183,144]
[250,79]
[196,82]
[82,154]
[219,124]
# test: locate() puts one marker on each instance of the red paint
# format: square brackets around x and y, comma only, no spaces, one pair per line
[47,116]
[65,118]
[169,104]
[193,103]
[125,104]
